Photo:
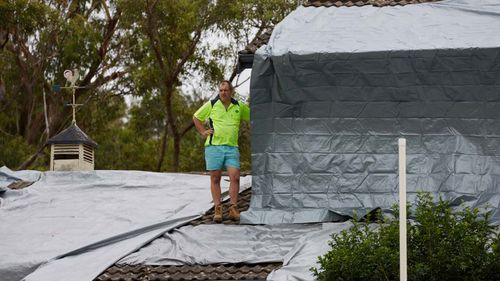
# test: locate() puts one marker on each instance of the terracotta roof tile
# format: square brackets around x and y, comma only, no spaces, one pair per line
[243,204]
[258,41]
[20,184]
[193,272]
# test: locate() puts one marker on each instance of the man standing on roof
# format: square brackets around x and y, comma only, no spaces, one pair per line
[224,114]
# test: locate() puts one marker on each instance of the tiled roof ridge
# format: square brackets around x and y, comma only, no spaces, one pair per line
[189,272]
[243,203]
[258,41]
[360,3]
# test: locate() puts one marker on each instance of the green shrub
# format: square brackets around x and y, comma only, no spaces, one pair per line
[442,245]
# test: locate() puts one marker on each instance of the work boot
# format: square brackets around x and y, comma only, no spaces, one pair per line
[234,213]
[218,214]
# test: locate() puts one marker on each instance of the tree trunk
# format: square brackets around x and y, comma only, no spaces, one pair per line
[172,124]
[163,150]
[177,152]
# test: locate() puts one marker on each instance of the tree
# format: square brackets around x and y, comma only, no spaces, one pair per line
[40,39]
[147,49]
[170,31]
[169,38]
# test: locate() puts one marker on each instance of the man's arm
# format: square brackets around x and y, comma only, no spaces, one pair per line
[201,128]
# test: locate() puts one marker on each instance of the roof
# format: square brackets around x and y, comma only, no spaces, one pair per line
[72,135]
[435,25]
[359,3]
[259,40]
[245,57]
[263,38]
[195,272]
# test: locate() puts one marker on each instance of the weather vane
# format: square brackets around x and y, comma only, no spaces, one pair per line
[71,76]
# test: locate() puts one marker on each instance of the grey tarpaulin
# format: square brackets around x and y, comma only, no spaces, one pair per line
[296,245]
[88,262]
[336,87]
[7,176]
[66,211]
[210,244]
[303,256]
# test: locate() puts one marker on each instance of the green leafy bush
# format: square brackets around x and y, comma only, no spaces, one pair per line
[442,245]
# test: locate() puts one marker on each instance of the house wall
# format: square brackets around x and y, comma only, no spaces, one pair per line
[325,130]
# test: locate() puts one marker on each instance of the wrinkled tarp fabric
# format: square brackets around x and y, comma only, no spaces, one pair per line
[210,244]
[296,245]
[451,24]
[87,265]
[8,177]
[325,125]
[304,255]
[64,211]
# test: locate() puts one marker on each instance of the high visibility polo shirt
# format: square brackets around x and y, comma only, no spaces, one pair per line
[225,122]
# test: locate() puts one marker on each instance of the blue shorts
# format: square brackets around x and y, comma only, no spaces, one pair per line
[218,157]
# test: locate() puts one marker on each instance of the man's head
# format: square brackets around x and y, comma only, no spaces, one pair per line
[225,91]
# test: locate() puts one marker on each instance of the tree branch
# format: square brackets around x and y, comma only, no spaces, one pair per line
[31,159]
[103,50]
[188,53]
[186,129]
[152,32]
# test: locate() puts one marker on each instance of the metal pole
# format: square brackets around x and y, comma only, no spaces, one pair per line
[73,105]
[402,211]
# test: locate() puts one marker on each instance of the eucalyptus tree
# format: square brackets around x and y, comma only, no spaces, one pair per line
[168,36]
[169,33]
[145,48]
[38,41]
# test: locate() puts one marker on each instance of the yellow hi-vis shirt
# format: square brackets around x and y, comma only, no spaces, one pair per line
[226,123]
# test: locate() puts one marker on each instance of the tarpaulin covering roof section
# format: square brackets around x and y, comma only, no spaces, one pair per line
[7,176]
[296,245]
[336,87]
[210,244]
[452,24]
[88,220]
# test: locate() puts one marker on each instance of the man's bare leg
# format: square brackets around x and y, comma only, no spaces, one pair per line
[215,189]
[234,184]
[215,177]
[234,189]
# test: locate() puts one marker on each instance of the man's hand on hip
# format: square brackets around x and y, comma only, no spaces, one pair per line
[207,132]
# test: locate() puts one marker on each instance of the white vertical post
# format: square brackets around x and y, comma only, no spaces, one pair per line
[402,211]
[52,157]
[73,105]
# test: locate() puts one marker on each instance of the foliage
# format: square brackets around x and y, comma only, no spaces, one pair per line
[145,49]
[125,150]
[442,245]
[17,149]
[40,39]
